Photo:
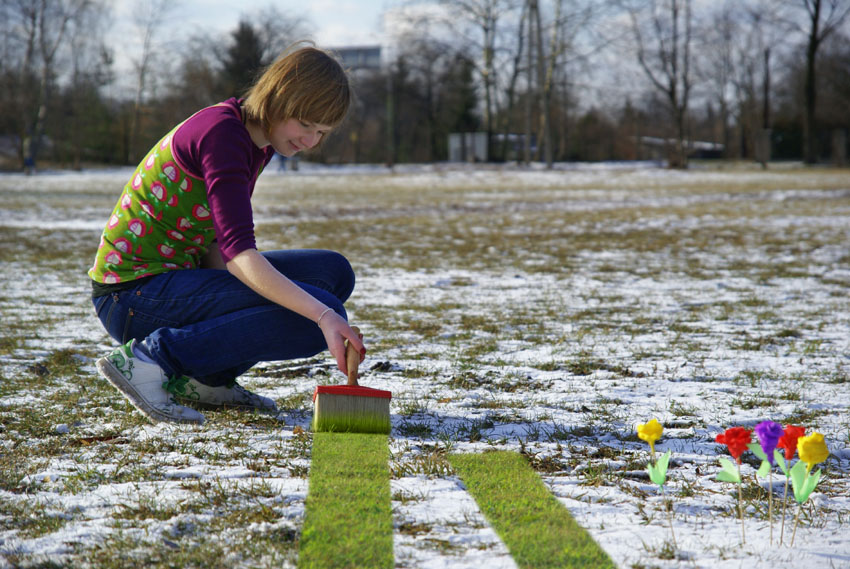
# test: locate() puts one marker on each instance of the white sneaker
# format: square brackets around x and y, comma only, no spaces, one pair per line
[142,384]
[190,390]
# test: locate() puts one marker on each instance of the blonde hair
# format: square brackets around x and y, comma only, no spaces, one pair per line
[306,84]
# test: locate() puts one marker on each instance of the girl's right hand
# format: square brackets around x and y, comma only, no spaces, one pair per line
[336,330]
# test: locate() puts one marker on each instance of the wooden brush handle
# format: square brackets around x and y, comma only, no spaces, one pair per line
[352,358]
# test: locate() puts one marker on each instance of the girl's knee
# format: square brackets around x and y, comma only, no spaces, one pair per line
[345,274]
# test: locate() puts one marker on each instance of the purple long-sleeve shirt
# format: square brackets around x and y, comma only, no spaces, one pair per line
[214,145]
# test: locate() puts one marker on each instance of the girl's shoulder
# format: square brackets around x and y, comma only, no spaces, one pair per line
[224,115]
[216,133]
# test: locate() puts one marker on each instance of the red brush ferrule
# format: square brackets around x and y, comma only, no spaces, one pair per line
[353,390]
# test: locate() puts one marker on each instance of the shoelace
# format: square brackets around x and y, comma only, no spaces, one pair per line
[176,385]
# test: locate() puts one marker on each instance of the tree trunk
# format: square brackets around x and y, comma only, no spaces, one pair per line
[547,81]
[511,92]
[810,153]
[532,5]
[489,39]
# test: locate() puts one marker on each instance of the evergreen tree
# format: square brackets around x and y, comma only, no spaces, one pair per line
[243,60]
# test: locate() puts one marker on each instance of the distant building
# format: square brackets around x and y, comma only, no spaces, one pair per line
[355,58]
[655,148]
[468,147]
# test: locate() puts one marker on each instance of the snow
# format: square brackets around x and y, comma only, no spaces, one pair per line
[703,349]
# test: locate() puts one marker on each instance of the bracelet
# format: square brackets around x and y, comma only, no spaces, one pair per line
[319,319]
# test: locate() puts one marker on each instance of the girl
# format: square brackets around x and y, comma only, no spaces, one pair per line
[178,279]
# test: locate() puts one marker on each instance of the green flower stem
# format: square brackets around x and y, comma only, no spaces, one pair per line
[741,506]
[784,508]
[670,518]
[770,503]
[796,521]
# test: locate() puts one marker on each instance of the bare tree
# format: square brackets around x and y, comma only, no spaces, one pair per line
[510,91]
[720,68]
[544,67]
[484,15]
[90,69]
[824,17]
[664,54]
[278,30]
[41,28]
[148,26]
[426,58]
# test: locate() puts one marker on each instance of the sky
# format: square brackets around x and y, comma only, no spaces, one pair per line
[336,23]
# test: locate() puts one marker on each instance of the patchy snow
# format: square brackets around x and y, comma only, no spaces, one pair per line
[694,333]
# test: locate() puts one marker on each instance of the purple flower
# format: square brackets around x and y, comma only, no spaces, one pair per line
[769,433]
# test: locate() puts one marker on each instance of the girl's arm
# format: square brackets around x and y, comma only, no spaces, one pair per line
[255,271]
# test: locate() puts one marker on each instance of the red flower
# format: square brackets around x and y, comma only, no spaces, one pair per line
[737,439]
[788,440]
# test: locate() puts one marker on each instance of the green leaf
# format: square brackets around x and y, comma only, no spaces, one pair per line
[658,471]
[662,462]
[809,486]
[780,460]
[757,450]
[764,469]
[798,480]
[654,475]
[724,476]
[729,472]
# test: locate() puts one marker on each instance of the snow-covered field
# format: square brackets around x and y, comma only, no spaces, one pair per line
[547,312]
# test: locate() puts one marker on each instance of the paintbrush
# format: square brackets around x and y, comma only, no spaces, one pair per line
[352,407]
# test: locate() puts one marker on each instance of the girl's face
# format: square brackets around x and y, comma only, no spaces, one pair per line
[291,136]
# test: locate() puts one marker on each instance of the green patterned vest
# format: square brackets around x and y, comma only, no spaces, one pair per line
[162,222]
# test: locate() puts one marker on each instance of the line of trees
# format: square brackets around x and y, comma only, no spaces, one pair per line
[546,81]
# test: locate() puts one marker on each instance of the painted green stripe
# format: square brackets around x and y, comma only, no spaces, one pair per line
[538,531]
[349,516]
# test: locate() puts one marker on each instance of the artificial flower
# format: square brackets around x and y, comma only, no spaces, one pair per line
[737,439]
[788,440]
[769,433]
[650,432]
[812,450]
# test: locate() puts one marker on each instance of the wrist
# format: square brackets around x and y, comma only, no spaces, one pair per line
[322,315]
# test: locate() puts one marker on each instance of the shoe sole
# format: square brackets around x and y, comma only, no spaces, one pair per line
[114,376]
[194,403]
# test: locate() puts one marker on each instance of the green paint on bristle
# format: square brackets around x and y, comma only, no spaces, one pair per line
[351,424]
[351,414]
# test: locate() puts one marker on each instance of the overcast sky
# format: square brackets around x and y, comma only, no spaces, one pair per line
[336,22]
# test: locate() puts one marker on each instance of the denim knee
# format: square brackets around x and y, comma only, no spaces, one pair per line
[345,279]
[327,270]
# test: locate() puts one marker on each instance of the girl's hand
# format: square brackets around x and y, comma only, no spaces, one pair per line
[336,331]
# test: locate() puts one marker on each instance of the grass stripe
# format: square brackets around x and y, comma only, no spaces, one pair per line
[349,515]
[538,531]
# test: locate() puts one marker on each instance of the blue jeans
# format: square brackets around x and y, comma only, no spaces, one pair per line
[207,324]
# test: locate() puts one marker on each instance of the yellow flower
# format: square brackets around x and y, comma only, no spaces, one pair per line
[650,432]
[812,450]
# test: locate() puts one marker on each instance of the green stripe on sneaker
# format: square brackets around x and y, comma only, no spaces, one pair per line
[537,529]
[349,514]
